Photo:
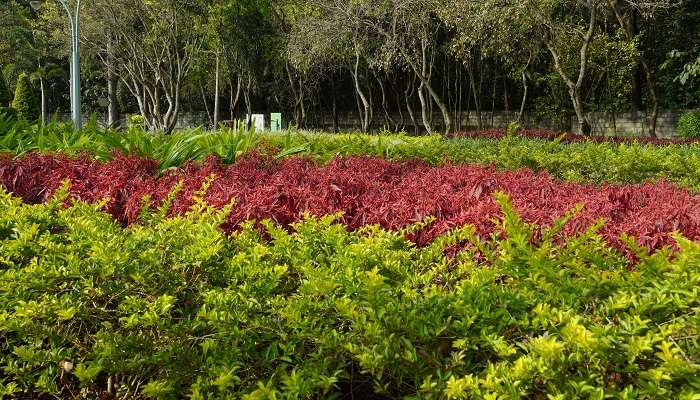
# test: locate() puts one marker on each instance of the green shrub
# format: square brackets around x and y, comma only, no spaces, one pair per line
[689,124]
[5,96]
[25,101]
[136,120]
[588,162]
[173,309]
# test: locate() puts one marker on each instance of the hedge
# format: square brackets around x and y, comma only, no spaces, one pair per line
[173,308]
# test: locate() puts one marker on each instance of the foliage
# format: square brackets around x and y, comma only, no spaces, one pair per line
[594,159]
[173,308]
[689,124]
[170,150]
[25,101]
[584,160]
[5,96]
[366,190]
[8,114]
[567,137]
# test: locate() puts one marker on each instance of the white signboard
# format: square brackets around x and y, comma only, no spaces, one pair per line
[257,120]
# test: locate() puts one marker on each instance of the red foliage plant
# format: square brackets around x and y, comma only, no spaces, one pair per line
[573,138]
[366,190]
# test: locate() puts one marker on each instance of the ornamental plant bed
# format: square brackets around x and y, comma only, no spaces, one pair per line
[366,190]
[174,308]
[572,137]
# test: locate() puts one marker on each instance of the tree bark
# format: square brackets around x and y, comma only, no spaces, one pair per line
[302,103]
[408,94]
[216,93]
[525,90]
[425,109]
[475,94]
[234,98]
[206,104]
[44,105]
[248,104]
[360,93]
[113,106]
[388,120]
[493,94]
[334,106]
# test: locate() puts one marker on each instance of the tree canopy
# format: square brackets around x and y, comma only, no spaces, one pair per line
[413,64]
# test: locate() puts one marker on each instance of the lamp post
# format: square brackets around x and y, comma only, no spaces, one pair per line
[74,23]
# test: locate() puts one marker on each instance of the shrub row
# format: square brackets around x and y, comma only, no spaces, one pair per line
[173,308]
[579,162]
[572,137]
[585,161]
[366,190]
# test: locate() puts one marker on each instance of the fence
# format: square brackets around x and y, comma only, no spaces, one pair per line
[632,123]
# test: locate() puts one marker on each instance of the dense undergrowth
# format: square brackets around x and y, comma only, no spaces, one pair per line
[172,308]
[585,161]
[367,190]
[572,137]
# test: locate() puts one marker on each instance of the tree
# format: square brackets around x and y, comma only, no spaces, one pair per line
[483,30]
[25,101]
[19,51]
[43,74]
[155,46]
[407,31]
[330,35]
[627,13]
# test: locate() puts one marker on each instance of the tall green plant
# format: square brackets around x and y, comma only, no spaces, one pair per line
[25,101]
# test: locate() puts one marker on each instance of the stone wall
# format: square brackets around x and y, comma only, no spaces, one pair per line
[635,124]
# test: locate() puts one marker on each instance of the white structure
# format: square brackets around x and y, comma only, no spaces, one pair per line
[257,120]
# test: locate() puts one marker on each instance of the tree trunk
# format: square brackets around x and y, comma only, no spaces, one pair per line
[425,82]
[334,106]
[360,93]
[302,104]
[408,94]
[44,105]
[584,124]
[654,98]
[425,110]
[477,100]
[629,26]
[112,108]
[206,104]
[388,121]
[397,96]
[234,98]
[248,105]
[216,93]
[493,94]
[525,90]
[297,96]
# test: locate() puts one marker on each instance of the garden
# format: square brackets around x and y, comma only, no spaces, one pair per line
[243,264]
[349,199]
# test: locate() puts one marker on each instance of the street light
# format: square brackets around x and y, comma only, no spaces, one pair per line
[74,23]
